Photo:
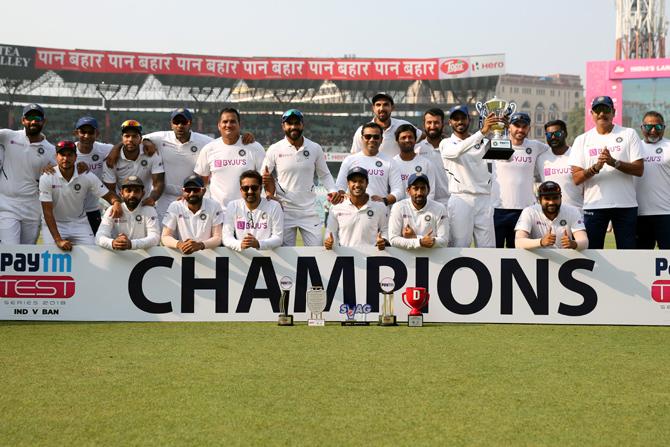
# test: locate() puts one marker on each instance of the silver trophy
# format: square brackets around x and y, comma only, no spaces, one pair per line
[386,315]
[499,145]
[285,319]
[316,303]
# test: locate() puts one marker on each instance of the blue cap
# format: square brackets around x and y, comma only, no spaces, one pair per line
[33,108]
[417,176]
[194,181]
[133,180]
[519,116]
[459,109]
[382,95]
[602,101]
[181,112]
[357,171]
[86,121]
[291,112]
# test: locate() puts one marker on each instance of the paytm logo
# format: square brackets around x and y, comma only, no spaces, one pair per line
[660,289]
[34,262]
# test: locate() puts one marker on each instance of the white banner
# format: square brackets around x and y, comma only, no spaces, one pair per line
[465,285]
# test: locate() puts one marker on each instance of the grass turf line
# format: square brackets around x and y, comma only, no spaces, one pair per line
[256,383]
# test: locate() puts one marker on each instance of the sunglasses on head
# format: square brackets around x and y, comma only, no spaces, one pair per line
[555,134]
[247,188]
[372,136]
[649,127]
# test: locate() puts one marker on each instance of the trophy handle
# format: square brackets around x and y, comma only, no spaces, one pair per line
[404,299]
[511,107]
[480,107]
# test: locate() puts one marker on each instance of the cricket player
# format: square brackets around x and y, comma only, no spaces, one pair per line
[137,228]
[551,224]
[194,223]
[64,195]
[418,221]
[253,221]
[357,221]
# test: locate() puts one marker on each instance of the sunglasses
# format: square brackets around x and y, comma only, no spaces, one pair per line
[192,189]
[37,118]
[252,188]
[556,134]
[601,109]
[372,136]
[649,127]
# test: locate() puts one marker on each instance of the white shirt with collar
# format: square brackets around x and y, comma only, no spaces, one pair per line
[433,154]
[653,187]
[534,222]
[22,166]
[557,168]
[381,179]
[433,216]
[389,145]
[514,179]
[224,163]
[294,170]
[357,227]
[95,161]
[143,167]
[265,223]
[463,160]
[69,197]
[419,164]
[197,226]
[139,225]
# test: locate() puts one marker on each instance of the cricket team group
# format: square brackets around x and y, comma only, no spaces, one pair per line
[401,186]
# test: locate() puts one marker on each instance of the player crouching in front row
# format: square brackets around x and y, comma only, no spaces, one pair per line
[194,223]
[137,228]
[549,224]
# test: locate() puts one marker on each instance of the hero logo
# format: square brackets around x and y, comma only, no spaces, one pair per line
[36,286]
[454,66]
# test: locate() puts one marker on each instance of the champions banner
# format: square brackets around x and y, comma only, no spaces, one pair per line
[280,68]
[465,285]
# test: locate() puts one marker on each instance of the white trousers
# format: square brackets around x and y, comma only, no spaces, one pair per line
[471,216]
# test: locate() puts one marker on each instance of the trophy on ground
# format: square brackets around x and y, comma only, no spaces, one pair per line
[353,312]
[316,303]
[415,298]
[499,146]
[386,316]
[286,284]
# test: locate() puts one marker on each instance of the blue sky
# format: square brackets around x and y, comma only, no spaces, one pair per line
[537,37]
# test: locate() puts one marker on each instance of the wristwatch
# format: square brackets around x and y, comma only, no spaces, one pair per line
[617,164]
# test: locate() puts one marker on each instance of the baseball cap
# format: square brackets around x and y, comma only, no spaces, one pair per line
[548,188]
[33,108]
[194,181]
[181,112]
[382,95]
[132,180]
[291,112]
[357,171]
[131,124]
[416,177]
[459,109]
[602,100]
[86,121]
[519,116]
[66,145]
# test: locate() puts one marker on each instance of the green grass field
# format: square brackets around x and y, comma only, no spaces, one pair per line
[259,384]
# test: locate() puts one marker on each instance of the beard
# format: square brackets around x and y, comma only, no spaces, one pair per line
[194,200]
[132,203]
[293,134]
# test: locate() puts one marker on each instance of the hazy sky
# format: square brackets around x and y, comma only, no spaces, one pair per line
[537,37]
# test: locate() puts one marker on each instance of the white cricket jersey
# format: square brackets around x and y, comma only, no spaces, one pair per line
[178,158]
[139,225]
[21,169]
[419,164]
[653,187]
[433,216]
[557,168]
[224,163]
[513,179]
[610,188]
[95,161]
[389,145]
[69,197]
[463,160]
[441,186]
[265,223]
[357,227]
[294,169]
[143,167]
[537,224]
[185,224]
[381,181]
